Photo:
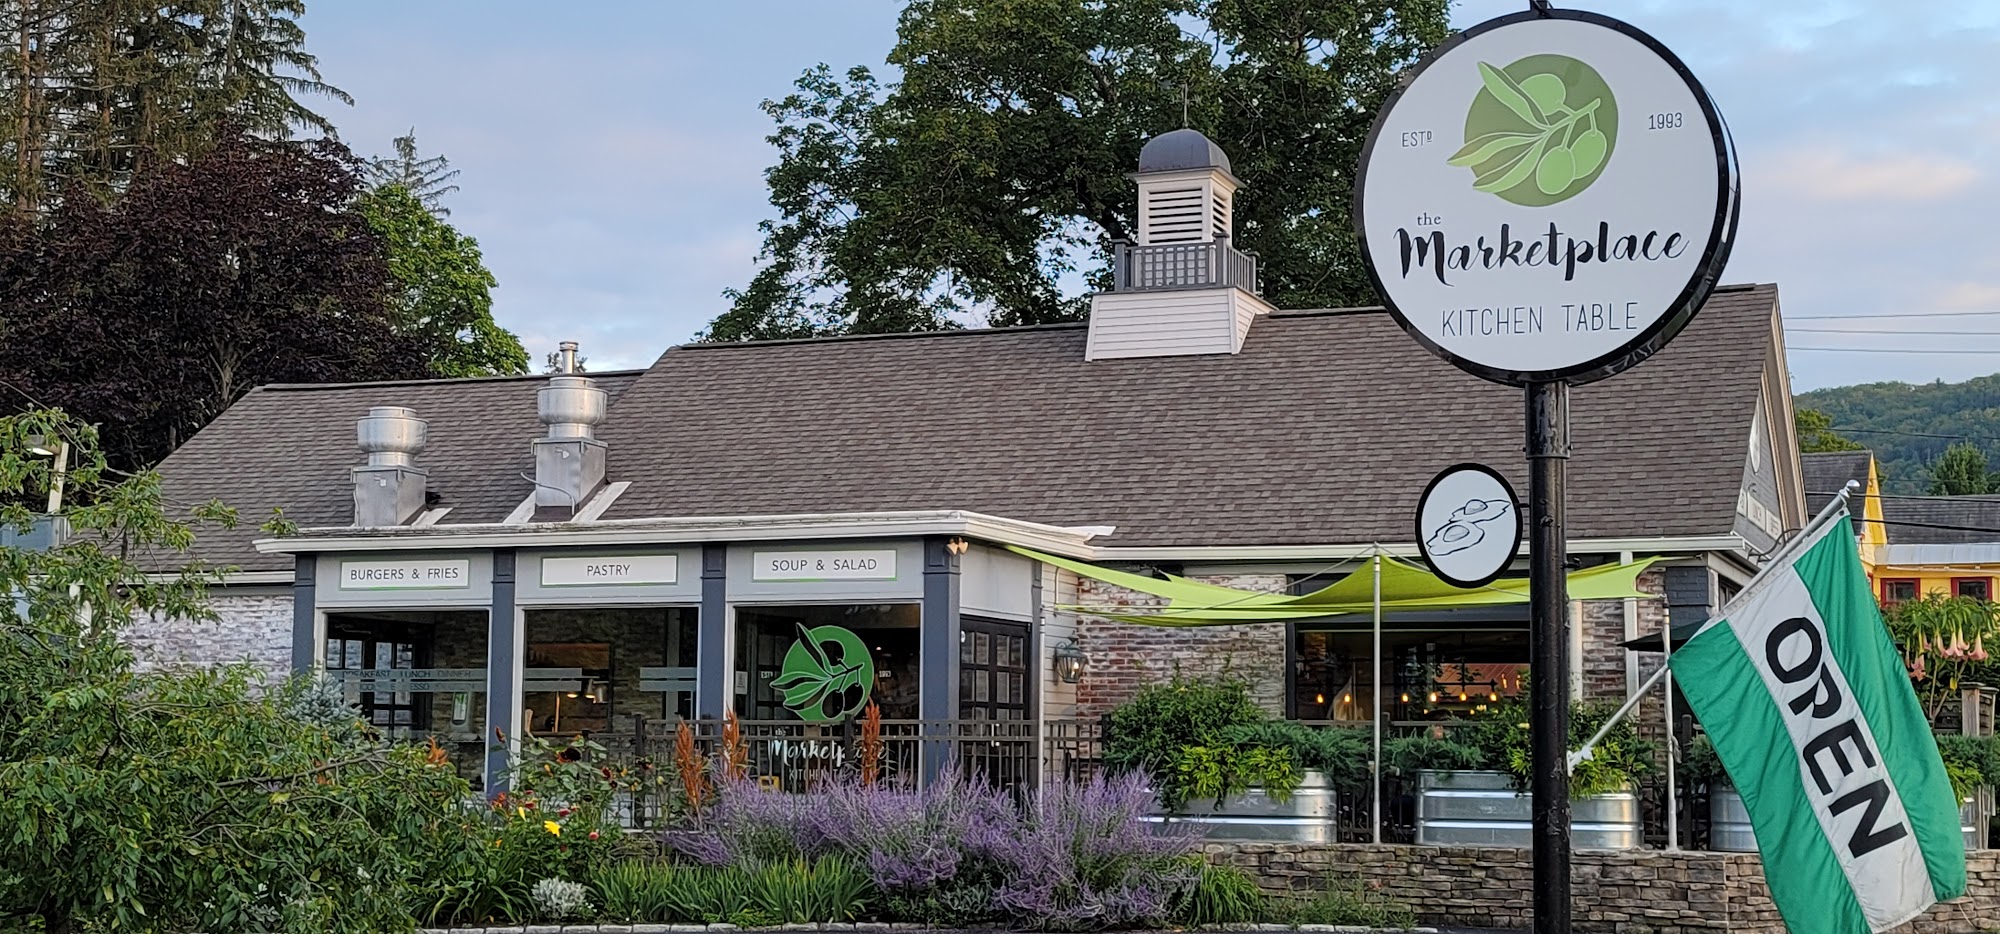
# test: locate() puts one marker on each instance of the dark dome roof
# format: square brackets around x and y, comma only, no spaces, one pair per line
[1180,150]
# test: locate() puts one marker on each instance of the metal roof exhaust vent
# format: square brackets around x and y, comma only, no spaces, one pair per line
[569,463]
[566,357]
[390,488]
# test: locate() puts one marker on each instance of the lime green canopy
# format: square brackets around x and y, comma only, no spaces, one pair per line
[1404,587]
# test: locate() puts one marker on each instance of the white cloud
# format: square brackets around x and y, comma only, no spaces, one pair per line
[1814,173]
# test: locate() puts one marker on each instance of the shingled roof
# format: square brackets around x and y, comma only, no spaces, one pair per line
[1941,520]
[1323,430]
[292,446]
[1826,473]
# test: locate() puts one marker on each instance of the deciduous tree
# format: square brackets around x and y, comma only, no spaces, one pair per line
[990,175]
[443,299]
[150,315]
[1961,471]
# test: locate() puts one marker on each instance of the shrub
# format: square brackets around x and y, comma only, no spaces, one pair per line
[1220,773]
[560,900]
[1341,754]
[1408,755]
[1701,766]
[1086,858]
[1221,895]
[1149,729]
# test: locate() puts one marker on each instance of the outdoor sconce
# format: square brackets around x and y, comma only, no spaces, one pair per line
[957,546]
[1070,661]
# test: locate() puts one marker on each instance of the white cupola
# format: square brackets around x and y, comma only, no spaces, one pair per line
[1182,288]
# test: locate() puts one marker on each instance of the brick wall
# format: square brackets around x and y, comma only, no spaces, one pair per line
[1631,892]
[1125,657]
[254,629]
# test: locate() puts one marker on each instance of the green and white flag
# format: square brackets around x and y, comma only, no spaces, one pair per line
[1811,711]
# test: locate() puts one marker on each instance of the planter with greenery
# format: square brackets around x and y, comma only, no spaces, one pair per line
[1217,760]
[1471,784]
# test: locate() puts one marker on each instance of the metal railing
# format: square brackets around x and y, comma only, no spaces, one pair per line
[1163,266]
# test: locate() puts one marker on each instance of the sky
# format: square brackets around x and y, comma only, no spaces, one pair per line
[612,155]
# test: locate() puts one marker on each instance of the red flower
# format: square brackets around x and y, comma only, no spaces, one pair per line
[593,835]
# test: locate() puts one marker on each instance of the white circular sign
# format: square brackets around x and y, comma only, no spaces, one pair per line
[1468,525]
[1551,196]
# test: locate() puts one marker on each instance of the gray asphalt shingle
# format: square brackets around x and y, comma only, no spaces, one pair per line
[1324,429]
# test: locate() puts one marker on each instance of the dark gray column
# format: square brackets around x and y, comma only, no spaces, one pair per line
[938,658]
[306,637]
[504,651]
[711,684]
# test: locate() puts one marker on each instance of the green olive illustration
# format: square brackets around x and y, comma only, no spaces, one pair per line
[1556,171]
[1546,91]
[1588,151]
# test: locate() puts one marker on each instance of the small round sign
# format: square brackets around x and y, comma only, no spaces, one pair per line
[1550,196]
[1468,525]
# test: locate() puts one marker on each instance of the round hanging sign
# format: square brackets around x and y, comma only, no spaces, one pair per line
[1468,526]
[1550,196]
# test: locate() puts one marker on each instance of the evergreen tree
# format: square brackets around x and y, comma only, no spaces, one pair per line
[92,91]
[966,187]
[427,179]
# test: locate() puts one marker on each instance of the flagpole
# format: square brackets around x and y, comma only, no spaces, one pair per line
[1375,799]
[1827,514]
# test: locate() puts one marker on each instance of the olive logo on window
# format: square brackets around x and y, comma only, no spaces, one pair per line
[827,674]
[1539,131]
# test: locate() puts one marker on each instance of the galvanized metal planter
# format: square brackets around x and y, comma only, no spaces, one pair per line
[1483,809]
[1729,823]
[1306,817]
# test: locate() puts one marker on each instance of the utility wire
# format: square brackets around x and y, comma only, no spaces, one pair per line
[1905,314]
[1916,434]
[1951,332]
[1940,350]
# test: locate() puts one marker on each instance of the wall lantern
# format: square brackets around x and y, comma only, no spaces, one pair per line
[1070,661]
[957,546]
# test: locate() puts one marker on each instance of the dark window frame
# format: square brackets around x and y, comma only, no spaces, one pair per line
[1985,586]
[1916,590]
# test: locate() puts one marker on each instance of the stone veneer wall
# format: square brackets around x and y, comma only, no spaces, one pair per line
[1125,657]
[252,628]
[1612,892]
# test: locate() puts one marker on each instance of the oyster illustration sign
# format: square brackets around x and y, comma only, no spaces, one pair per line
[1550,197]
[1468,526]
[826,675]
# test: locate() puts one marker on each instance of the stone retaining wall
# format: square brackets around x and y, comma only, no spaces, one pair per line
[1612,892]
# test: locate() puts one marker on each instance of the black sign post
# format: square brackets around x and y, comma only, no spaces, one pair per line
[1548,633]
[1545,201]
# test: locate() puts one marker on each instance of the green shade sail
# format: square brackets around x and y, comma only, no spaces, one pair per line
[1405,586]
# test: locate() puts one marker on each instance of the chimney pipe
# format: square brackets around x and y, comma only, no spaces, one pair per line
[566,357]
[569,463]
[390,488]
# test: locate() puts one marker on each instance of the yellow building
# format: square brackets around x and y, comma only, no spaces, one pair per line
[1912,545]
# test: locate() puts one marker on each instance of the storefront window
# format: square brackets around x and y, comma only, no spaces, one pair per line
[598,670]
[825,663]
[416,676]
[1430,673]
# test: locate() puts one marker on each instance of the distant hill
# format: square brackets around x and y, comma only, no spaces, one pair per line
[1909,426]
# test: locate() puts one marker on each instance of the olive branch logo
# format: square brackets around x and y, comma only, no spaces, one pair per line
[1539,131]
[826,674]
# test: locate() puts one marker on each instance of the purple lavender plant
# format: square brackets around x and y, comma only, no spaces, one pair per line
[1086,858]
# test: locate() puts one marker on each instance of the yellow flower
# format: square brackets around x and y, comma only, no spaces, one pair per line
[521,813]
[552,827]
[496,843]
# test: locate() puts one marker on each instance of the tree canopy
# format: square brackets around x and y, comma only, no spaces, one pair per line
[94,91]
[1960,471]
[149,315]
[1909,426]
[427,178]
[1816,434]
[989,176]
[443,298]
